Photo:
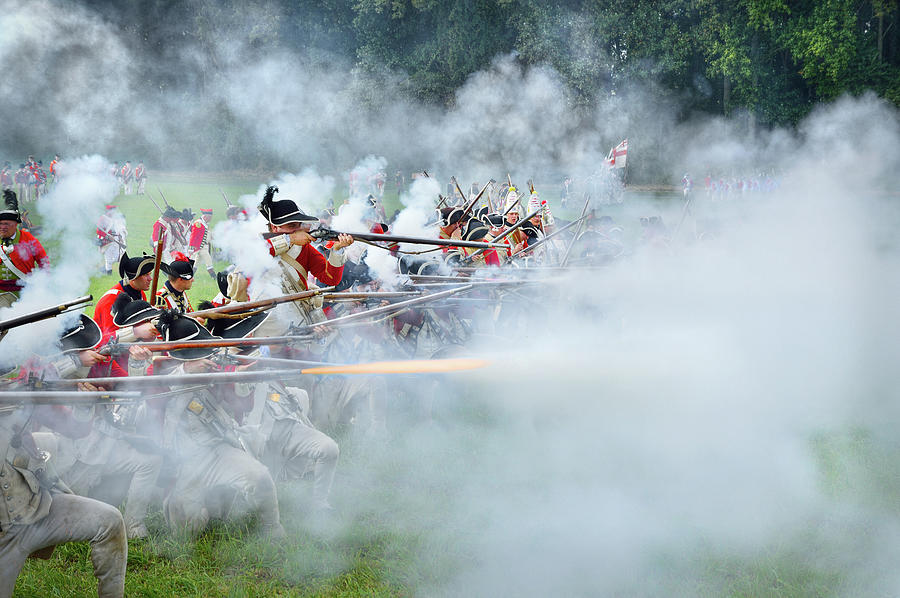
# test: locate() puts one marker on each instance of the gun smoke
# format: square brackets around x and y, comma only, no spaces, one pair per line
[652,417]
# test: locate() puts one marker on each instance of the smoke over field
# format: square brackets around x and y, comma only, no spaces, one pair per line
[655,427]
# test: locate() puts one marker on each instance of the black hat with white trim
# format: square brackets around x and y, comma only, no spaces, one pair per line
[132,267]
[84,335]
[175,327]
[180,267]
[131,312]
[236,328]
[282,211]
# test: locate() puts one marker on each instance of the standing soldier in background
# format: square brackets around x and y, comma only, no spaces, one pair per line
[21,251]
[111,235]
[21,180]
[6,176]
[165,225]
[140,177]
[181,278]
[127,175]
[115,172]
[199,241]
[53,169]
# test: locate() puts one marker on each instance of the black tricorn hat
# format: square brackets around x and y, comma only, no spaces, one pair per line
[130,312]
[10,209]
[132,267]
[84,335]
[455,216]
[171,212]
[187,214]
[494,220]
[176,327]
[529,229]
[419,265]
[182,266]
[282,211]
[236,328]
[475,231]
[481,212]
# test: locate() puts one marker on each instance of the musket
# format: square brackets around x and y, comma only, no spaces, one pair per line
[163,197]
[175,230]
[239,307]
[274,361]
[374,295]
[113,348]
[228,204]
[160,243]
[511,206]
[458,190]
[387,308]
[327,233]
[473,283]
[540,242]
[587,201]
[178,379]
[61,397]
[471,204]
[150,197]
[506,233]
[440,197]
[42,314]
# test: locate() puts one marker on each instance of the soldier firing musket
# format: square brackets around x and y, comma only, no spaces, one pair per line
[326,233]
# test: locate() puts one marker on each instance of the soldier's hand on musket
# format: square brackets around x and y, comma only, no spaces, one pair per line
[89,358]
[200,365]
[301,237]
[343,240]
[88,387]
[322,330]
[139,353]
[146,331]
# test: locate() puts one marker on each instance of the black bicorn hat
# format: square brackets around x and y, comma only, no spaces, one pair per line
[281,211]
[236,328]
[131,312]
[475,230]
[132,267]
[175,327]
[82,336]
[182,266]
[10,209]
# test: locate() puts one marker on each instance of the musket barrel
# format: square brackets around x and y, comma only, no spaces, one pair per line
[324,233]
[237,306]
[43,314]
[389,308]
[61,397]
[180,379]
[545,239]
[213,343]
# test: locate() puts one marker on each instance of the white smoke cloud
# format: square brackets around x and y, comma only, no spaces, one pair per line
[644,416]
[69,213]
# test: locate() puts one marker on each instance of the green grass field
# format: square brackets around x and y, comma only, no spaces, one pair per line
[380,543]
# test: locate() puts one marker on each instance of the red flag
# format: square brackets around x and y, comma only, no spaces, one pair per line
[617,155]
